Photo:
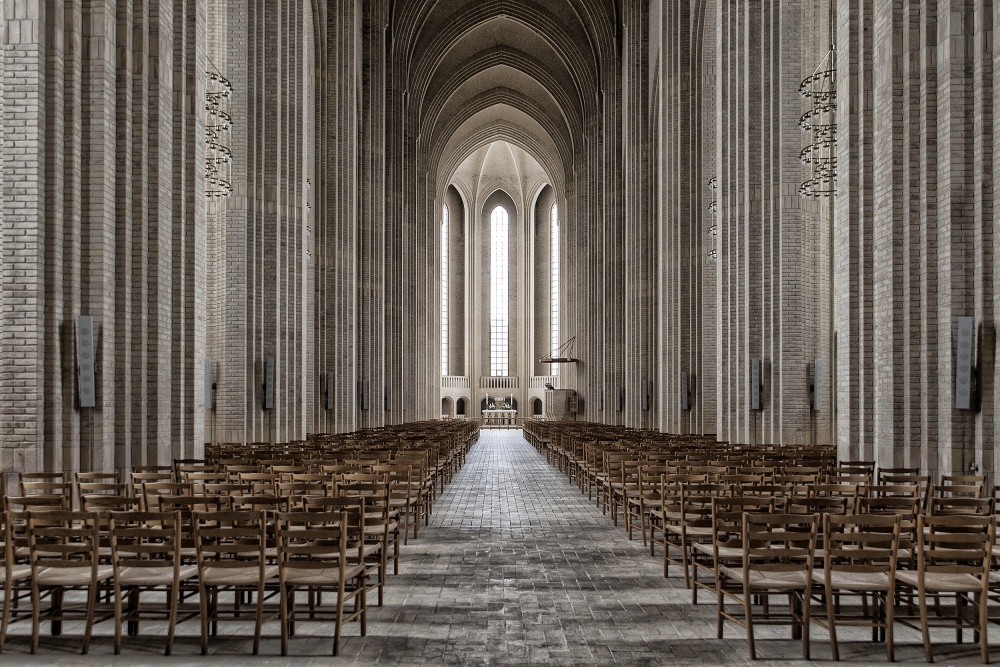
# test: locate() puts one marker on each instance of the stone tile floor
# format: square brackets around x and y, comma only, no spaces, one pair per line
[517,567]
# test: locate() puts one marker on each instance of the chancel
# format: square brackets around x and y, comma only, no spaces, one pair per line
[499,331]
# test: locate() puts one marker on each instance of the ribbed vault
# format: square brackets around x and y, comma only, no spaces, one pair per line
[528,71]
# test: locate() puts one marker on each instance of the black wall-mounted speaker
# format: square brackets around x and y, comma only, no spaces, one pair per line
[364,394]
[816,385]
[619,399]
[965,368]
[600,399]
[328,397]
[269,374]
[86,370]
[388,398]
[209,385]
[756,384]
[685,391]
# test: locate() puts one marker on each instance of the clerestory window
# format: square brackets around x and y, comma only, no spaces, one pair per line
[499,297]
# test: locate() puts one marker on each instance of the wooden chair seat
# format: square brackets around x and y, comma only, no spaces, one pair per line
[71,576]
[690,531]
[321,577]
[144,576]
[236,576]
[769,580]
[724,552]
[854,581]
[943,582]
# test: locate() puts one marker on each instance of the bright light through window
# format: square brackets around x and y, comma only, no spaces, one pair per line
[499,299]
[554,294]
[444,290]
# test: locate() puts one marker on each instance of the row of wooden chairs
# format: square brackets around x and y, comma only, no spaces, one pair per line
[707,505]
[758,555]
[234,555]
[382,496]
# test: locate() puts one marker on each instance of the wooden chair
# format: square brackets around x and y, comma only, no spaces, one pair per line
[819,505]
[859,560]
[381,524]
[778,554]
[184,466]
[33,484]
[849,490]
[627,488]
[907,510]
[403,497]
[953,558]
[923,482]
[356,506]
[146,555]
[726,545]
[227,489]
[609,480]
[186,505]
[137,478]
[233,471]
[64,548]
[887,475]
[645,499]
[666,513]
[296,492]
[259,503]
[968,501]
[961,485]
[198,480]
[694,525]
[261,483]
[863,467]
[16,574]
[99,482]
[423,484]
[779,492]
[323,553]
[150,490]
[231,558]
[285,473]
[57,479]
[154,468]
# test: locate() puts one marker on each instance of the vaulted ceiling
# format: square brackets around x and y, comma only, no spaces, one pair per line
[521,71]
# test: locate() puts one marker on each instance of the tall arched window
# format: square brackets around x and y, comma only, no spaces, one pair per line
[444,289]
[554,283]
[499,298]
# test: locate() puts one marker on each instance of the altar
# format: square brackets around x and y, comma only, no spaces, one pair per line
[499,418]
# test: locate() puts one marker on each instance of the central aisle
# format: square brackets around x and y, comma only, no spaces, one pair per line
[518,566]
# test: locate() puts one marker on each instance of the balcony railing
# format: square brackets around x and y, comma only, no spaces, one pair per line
[455,382]
[498,382]
[539,381]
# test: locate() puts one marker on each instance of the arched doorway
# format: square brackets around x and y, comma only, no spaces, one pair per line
[460,407]
[446,405]
[536,407]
